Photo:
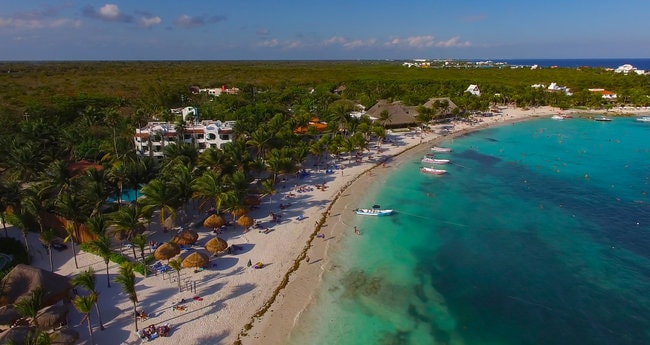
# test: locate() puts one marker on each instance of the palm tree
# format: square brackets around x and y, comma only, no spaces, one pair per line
[95,189]
[348,146]
[269,189]
[159,194]
[126,278]
[84,305]
[21,221]
[34,336]
[72,207]
[57,178]
[176,265]
[9,197]
[128,220]
[71,234]
[140,241]
[29,306]
[209,186]
[385,116]
[181,178]
[33,203]
[87,280]
[260,140]
[102,245]
[47,237]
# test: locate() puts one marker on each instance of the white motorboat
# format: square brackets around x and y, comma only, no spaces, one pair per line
[430,160]
[643,119]
[373,212]
[440,149]
[432,171]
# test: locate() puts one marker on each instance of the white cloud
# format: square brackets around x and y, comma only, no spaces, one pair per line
[349,44]
[334,40]
[360,43]
[109,11]
[426,41]
[32,24]
[149,21]
[272,43]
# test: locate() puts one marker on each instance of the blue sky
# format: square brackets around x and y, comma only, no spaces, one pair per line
[312,30]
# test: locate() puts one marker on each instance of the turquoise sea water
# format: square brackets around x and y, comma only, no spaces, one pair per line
[539,234]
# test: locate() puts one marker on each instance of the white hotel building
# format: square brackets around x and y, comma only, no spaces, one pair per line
[152,139]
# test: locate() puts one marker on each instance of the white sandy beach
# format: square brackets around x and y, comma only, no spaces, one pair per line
[234,297]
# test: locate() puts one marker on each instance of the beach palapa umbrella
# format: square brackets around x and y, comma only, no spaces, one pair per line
[52,316]
[196,259]
[16,335]
[245,221]
[166,251]
[65,336]
[186,237]
[8,315]
[238,212]
[216,245]
[214,221]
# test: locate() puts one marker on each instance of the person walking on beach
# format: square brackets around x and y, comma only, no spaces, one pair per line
[356,231]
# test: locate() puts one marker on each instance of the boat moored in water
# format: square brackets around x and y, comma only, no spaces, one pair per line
[431,160]
[603,119]
[440,149]
[432,171]
[373,212]
[643,119]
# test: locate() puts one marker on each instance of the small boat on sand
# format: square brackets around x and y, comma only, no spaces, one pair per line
[432,171]
[373,212]
[440,149]
[431,160]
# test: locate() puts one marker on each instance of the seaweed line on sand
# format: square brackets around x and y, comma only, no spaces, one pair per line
[303,254]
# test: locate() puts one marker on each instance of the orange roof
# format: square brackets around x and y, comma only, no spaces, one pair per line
[320,127]
[83,165]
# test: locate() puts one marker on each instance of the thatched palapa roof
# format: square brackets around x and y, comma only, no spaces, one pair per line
[23,279]
[216,245]
[400,115]
[196,259]
[166,251]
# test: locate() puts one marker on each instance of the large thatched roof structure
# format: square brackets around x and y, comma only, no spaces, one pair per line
[23,279]
[442,101]
[400,115]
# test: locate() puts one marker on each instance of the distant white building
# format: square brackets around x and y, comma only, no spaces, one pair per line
[152,139]
[627,68]
[554,87]
[474,90]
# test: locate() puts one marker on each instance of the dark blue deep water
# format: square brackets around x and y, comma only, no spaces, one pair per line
[539,234]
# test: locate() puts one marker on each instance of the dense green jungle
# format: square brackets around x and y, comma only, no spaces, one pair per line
[54,114]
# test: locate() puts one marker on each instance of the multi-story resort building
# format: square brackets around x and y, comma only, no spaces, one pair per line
[152,139]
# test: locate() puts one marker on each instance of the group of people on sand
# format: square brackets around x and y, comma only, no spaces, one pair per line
[152,332]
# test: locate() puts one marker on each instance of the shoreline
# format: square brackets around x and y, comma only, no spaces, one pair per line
[239,304]
[277,323]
